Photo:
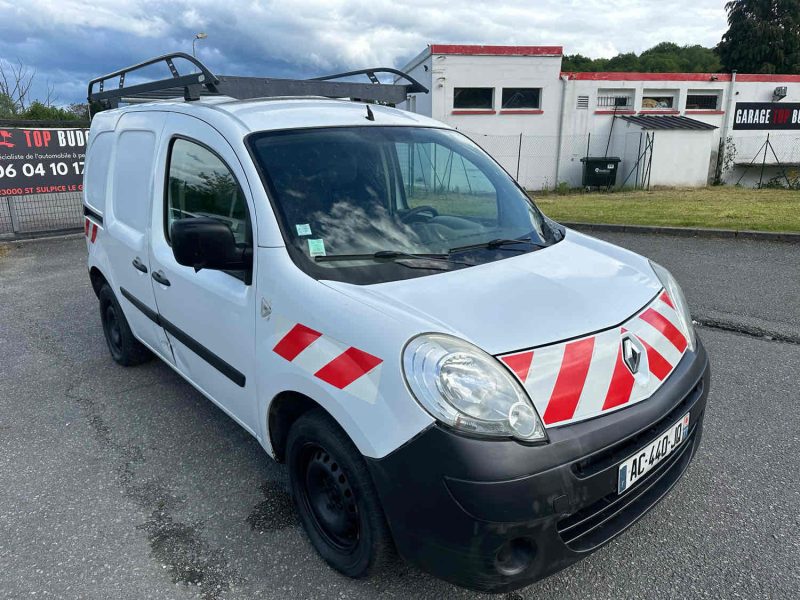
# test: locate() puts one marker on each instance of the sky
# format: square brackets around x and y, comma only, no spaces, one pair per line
[68,42]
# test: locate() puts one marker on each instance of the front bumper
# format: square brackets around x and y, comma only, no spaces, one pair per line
[498,515]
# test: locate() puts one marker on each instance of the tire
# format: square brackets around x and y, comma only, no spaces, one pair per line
[335,497]
[125,349]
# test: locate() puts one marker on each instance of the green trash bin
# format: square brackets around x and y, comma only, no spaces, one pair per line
[600,171]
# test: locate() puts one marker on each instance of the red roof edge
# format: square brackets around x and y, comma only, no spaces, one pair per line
[768,78]
[634,76]
[722,77]
[471,49]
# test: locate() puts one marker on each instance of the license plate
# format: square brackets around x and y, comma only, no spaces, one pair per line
[636,466]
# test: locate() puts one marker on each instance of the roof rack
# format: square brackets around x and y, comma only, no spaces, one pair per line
[203,82]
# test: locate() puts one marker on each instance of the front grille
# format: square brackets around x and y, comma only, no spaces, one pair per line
[607,457]
[599,522]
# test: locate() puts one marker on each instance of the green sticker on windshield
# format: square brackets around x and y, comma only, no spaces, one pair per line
[316,247]
[304,229]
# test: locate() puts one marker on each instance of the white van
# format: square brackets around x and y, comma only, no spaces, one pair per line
[447,373]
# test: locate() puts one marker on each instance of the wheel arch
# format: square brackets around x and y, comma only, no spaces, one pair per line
[284,410]
[97,280]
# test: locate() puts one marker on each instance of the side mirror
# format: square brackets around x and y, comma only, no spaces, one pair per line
[205,243]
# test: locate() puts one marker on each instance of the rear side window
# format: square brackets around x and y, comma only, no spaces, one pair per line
[133,172]
[96,176]
[200,184]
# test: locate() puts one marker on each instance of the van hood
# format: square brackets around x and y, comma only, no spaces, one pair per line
[577,286]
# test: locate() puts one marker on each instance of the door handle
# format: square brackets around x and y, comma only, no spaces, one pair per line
[139,265]
[159,277]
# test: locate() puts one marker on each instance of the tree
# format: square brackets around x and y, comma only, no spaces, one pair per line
[701,59]
[79,110]
[7,108]
[16,81]
[577,62]
[624,62]
[666,57]
[16,101]
[763,36]
[38,111]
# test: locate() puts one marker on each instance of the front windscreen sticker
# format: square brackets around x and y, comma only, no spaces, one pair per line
[316,247]
[304,229]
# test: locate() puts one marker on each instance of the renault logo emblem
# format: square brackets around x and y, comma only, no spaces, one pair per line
[631,355]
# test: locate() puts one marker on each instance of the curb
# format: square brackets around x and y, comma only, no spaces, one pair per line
[742,234]
[62,234]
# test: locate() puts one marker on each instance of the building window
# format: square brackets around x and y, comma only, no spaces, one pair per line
[583,102]
[473,98]
[657,102]
[614,101]
[702,102]
[521,98]
[611,99]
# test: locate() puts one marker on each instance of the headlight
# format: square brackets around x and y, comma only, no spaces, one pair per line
[679,300]
[467,389]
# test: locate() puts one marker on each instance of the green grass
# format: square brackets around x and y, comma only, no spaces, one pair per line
[716,207]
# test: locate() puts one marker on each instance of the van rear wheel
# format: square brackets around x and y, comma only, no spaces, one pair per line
[335,497]
[125,349]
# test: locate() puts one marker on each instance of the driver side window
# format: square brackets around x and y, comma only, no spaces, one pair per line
[436,176]
[200,184]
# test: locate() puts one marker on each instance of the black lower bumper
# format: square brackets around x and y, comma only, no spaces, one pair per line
[498,515]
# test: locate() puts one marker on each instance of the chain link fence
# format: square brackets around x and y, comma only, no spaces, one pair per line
[28,215]
[759,160]
[540,162]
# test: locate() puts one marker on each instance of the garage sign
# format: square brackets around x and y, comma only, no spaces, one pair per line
[767,115]
[41,161]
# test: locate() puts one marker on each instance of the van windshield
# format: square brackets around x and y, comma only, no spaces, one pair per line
[373,204]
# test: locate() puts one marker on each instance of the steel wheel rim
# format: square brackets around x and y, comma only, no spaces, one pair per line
[113,331]
[329,499]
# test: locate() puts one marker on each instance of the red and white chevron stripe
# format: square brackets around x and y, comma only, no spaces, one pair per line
[90,230]
[586,377]
[344,367]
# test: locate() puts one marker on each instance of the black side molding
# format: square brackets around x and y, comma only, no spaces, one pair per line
[146,310]
[215,361]
[88,212]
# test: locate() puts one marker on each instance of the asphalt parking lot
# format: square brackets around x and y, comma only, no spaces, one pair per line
[126,483]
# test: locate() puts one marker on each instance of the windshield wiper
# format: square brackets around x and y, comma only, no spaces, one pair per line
[496,243]
[392,255]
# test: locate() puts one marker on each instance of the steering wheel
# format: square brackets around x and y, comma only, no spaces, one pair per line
[417,210]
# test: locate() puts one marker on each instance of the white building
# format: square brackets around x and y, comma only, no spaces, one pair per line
[539,122]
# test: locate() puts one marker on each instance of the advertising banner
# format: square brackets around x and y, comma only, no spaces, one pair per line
[41,161]
[767,115]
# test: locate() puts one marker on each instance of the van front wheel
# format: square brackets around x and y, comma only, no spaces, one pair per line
[335,497]
[124,347]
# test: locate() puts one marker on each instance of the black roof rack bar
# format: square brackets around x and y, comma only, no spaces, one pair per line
[415,86]
[190,83]
[206,83]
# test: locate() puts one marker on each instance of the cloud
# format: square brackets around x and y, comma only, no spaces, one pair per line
[69,41]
